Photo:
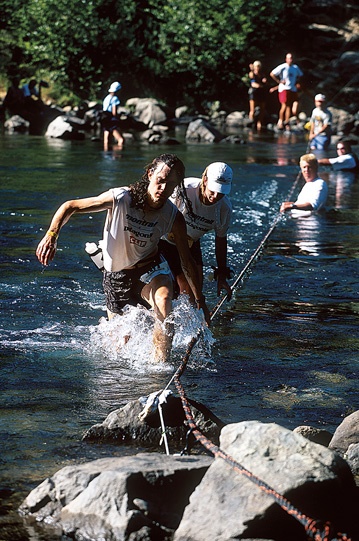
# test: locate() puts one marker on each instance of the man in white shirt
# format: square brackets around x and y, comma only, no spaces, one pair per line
[314,193]
[346,160]
[137,217]
[286,75]
[320,124]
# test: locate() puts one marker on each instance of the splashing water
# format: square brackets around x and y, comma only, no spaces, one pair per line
[128,337]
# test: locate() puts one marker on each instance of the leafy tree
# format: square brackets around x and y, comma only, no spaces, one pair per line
[178,50]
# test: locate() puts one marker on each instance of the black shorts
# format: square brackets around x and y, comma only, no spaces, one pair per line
[125,287]
[170,252]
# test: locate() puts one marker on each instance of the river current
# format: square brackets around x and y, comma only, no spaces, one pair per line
[284,349]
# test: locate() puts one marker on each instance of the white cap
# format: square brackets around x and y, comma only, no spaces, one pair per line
[219,177]
[320,97]
[115,87]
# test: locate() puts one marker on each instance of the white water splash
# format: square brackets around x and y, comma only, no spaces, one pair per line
[128,337]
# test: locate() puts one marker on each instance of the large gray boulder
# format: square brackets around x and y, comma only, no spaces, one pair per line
[346,434]
[117,499]
[201,131]
[16,124]
[342,121]
[149,111]
[314,479]
[64,128]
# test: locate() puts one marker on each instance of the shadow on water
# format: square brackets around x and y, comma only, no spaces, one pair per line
[283,350]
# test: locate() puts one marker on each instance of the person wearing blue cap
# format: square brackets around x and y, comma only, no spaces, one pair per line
[205,205]
[110,122]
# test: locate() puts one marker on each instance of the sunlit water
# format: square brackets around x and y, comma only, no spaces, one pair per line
[284,349]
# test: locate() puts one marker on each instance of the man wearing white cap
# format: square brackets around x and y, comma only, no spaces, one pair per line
[320,124]
[205,205]
[110,122]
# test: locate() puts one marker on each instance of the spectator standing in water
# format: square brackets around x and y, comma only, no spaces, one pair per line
[110,122]
[314,193]
[134,270]
[286,75]
[320,124]
[257,93]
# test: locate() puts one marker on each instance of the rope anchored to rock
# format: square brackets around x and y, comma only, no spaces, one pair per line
[315,530]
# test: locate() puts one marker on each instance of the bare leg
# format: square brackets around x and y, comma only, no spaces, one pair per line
[281,115]
[105,140]
[261,116]
[251,109]
[159,294]
[119,138]
[288,110]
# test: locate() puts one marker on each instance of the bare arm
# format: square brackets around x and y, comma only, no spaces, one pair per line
[324,161]
[221,257]
[322,130]
[274,77]
[290,205]
[187,262]
[46,249]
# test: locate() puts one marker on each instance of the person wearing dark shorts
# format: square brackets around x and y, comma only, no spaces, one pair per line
[286,75]
[137,217]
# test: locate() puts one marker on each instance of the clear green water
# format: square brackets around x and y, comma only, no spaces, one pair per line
[285,348]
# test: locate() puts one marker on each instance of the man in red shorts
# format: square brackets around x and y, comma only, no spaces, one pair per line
[286,75]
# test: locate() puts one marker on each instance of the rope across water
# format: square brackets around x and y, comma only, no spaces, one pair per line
[316,530]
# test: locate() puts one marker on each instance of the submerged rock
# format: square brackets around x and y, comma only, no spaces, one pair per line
[124,425]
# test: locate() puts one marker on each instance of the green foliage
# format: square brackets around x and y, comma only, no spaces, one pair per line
[178,50]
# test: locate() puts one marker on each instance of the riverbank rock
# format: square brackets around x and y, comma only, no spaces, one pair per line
[64,128]
[346,434]
[128,498]
[316,435]
[152,496]
[237,119]
[16,124]
[124,426]
[352,458]
[202,131]
[315,480]
[149,111]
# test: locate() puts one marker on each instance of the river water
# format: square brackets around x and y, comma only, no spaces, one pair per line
[283,350]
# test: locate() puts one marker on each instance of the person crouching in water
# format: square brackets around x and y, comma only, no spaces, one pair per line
[134,271]
[205,205]
[314,193]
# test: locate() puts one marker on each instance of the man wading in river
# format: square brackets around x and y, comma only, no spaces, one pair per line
[313,195]
[134,271]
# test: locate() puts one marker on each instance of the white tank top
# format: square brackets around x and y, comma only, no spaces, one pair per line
[131,235]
